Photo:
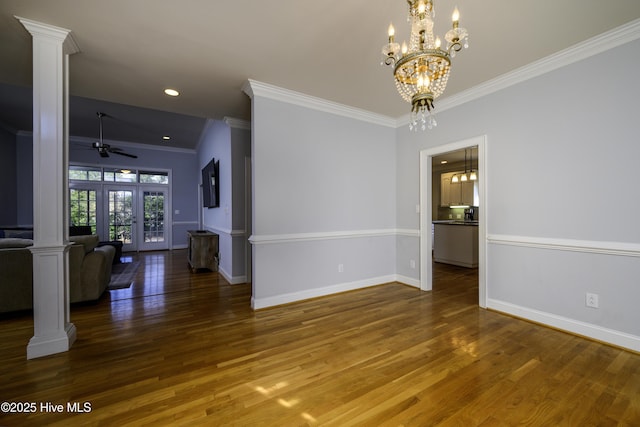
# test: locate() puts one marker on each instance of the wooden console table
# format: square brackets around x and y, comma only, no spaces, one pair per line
[203,250]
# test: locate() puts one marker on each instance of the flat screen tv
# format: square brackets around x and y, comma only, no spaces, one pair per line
[211,184]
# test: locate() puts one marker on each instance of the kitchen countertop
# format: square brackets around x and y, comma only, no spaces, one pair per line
[456,222]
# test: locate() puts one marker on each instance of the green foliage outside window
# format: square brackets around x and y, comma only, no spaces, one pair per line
[83,208]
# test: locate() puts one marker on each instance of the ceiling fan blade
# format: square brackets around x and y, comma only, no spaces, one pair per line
[121,153]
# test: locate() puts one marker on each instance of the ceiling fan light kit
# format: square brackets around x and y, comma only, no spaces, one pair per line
[421,68]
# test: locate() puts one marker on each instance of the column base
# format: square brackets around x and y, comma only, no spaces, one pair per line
[52,344]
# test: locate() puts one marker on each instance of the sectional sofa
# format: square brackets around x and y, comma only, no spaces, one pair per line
[89,271]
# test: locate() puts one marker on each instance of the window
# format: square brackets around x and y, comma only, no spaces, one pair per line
[154,177]
[83,207]
[120,175]
[84,173]
[80,173]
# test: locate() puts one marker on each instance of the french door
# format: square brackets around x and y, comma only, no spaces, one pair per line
[120,215]
[153,211]
[135,215]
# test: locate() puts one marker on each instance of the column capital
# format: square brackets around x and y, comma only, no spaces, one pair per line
[39,29]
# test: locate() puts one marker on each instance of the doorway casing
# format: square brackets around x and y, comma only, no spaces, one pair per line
[426,209]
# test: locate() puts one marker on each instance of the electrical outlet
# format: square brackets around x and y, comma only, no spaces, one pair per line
[592,300]
[340,268]
[412,263]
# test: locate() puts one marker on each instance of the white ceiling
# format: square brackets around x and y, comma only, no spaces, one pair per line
[130,50]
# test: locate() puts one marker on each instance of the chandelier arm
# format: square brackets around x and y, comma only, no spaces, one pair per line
[455,46]
[389,60]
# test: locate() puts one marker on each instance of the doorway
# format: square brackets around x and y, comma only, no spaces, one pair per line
[426,209]
[136,215]
[133,207]
[152,235]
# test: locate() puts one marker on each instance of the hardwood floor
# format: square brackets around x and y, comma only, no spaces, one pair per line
[186,349]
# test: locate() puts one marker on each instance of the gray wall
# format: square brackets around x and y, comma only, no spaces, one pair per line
[323,196]
[240,152]
[8,190]
[561,169]
[228,145]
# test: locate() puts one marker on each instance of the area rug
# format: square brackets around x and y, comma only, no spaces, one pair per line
[122,275]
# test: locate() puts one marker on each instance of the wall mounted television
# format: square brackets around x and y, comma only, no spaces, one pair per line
[211,184]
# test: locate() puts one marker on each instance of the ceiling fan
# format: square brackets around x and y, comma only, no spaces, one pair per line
[105,149]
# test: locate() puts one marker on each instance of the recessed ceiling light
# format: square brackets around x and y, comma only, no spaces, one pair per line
[443,162]
[166,137]
[171,92]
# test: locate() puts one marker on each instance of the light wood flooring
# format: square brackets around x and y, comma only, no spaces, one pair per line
[186,349]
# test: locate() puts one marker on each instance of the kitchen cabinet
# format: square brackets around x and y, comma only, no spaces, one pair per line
[445,189]
[457,193]
[456,243]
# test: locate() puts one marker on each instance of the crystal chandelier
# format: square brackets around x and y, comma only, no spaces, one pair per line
[421,69]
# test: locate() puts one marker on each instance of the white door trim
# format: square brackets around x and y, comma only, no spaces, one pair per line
[165,244]
[426,202]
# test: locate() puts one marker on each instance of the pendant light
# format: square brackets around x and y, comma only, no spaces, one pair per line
[463,178]
[472,176]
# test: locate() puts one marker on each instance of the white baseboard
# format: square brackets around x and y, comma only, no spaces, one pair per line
[185,246]
[577,327]
[258,303]
[231,279]
[410,281]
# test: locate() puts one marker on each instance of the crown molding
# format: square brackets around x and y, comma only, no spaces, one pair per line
[255,88]
[601,43]
[237,123]
[583,50]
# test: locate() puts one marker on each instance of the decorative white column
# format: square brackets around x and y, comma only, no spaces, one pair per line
[53,331]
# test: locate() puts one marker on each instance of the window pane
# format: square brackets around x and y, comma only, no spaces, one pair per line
[82,207]
[120,215]
[95,175]
[125,177]
[117,175]
[154,177]
[82,173]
